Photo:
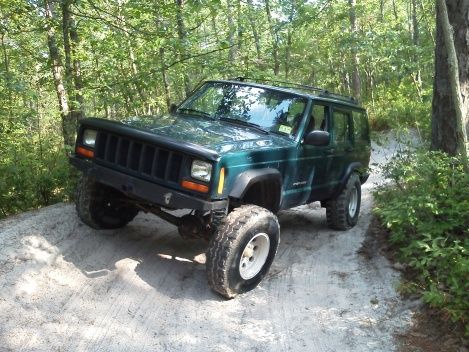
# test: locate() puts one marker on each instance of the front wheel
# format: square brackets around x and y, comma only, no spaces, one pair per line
[342,212]
[102,207]
[242,251]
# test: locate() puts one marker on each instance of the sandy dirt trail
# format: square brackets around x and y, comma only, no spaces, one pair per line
[66,287]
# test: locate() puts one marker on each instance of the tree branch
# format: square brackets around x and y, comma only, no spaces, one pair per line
[154,71]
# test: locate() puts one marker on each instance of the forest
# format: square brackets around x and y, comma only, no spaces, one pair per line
[63,60]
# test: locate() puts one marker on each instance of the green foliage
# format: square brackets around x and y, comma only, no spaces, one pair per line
[401,108]
[125,51]
[426,209]
[34,170]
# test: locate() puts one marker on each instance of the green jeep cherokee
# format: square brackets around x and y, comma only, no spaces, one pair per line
[232,154]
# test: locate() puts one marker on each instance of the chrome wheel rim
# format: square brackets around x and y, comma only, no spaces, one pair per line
[254,256]
[353,202]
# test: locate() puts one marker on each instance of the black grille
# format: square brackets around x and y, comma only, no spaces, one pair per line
[139,158]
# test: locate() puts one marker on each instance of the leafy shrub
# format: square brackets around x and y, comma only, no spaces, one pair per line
[400,107]
[34,169]
[426,209]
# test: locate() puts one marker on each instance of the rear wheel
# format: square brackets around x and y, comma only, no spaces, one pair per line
[102,207]
[342,212]
[242,251]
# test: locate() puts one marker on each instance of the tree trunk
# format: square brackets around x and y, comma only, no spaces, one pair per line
[74,83]
[134,68]
[164,77]
[181,29]
[381,10]
[415,24]
[240,25]
[416,40]
[7,79]
[68,125]
[254,25]
[287,53]
[274,35]
[356,84]
[65,4]
[231,32]
[450,108]
[289,39]
[427,22]
[76,69]
[213,18]
[394,10]
[132,59]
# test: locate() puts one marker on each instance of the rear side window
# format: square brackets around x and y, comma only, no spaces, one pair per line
[341,126]
[360,126]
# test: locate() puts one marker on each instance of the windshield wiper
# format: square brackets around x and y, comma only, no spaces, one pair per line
[195,111]
[244,123]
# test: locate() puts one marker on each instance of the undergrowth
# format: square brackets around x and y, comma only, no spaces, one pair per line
[34,170]
[426,208]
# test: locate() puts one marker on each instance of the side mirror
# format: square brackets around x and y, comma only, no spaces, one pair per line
[317,138]
[172,108]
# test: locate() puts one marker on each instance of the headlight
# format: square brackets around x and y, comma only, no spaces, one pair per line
[201,170]
[89,138]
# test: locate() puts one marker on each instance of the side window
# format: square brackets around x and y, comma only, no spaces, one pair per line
[295,115]
[360,126]
[341,126]
[318,118]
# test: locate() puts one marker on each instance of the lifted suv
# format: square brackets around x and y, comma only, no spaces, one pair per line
[233,154]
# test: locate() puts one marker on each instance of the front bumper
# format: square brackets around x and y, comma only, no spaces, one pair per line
[144,190]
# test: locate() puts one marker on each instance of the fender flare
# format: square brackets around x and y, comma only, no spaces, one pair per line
[250,177]
[355,166]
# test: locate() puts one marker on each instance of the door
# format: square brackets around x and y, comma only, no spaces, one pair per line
[342,147]
[310,182]
[361,137]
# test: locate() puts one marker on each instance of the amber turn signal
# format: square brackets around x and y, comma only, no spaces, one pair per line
[194,186]
[84,152]
[221,181]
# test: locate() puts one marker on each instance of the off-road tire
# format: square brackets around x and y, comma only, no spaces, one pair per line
[217,219]
[100,206]
[337,210]
[227,245]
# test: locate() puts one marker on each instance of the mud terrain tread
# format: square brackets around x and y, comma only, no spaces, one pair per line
[84,195]
[225,241]
[336,209]
[88,190]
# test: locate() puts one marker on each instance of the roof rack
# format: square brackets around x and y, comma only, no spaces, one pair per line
[322,92]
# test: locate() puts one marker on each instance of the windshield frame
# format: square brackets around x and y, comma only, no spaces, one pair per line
[203,87]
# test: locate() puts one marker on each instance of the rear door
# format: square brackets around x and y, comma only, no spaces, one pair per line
[361,137]
[342,145]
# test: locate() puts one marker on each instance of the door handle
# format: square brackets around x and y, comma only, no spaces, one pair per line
[330,151]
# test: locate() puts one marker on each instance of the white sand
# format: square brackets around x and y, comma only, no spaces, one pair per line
[66,287]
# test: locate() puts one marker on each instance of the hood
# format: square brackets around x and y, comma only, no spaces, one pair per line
[220,136]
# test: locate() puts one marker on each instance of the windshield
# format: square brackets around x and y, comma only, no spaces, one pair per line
[269,110]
